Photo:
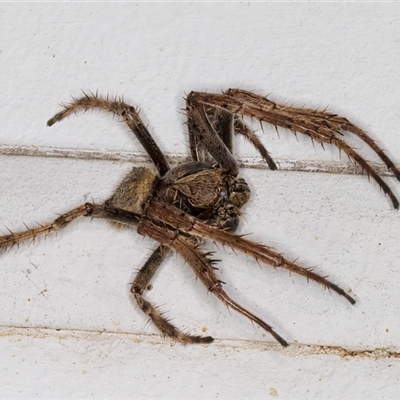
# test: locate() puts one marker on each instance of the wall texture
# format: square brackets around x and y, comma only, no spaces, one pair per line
[68,325]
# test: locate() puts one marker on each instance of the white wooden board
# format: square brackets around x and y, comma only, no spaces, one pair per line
[69,327]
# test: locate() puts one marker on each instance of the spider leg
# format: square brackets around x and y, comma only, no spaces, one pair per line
[191,225]
[85,210]
[140,283]
[329,123]
[173,228]
[242,129]
[352,154]
[206,124]
[146,273]
[12,239]
[203,268]
[321,126]
[222,123]
[171,217]
[203,136]
[128,114]
[225,124]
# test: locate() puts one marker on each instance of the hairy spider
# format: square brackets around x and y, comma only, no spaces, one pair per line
[201,199]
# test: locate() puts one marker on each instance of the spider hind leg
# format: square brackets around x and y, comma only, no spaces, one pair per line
[8,241]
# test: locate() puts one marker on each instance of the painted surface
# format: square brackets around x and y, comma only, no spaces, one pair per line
[68,327]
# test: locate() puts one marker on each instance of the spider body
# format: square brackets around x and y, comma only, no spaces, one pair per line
[205,191]
[202,199]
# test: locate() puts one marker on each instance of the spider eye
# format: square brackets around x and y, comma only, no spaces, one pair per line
[240,194]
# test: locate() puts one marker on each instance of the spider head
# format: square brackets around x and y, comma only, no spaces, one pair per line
[205,191]
[229,214]
[240,193]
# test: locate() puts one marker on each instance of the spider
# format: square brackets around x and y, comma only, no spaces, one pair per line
[180,207]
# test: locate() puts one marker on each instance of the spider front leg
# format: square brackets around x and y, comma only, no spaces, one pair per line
[241,128]
[210,127]
[203,137]
[224,124]
[320,126]
[129,115]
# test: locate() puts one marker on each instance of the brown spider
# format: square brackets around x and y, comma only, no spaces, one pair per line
[201,199]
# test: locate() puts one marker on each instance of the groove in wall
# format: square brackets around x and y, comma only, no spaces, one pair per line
[294,349]
[332,167]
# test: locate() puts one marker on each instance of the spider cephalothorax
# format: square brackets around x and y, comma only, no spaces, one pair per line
[201,199]
[208,192]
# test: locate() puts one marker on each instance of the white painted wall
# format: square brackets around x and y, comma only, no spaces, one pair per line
[68,325]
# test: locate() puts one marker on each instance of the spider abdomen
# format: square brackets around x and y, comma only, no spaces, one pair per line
[137,188]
